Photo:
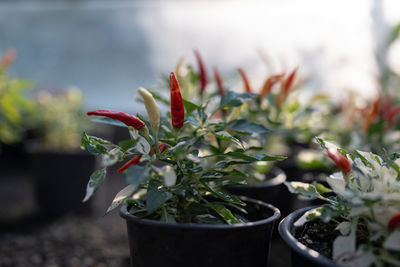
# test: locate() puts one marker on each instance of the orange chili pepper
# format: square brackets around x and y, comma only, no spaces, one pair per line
[245,80]
[269,83]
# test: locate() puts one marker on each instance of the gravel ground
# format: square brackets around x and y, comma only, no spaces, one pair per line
[70,241]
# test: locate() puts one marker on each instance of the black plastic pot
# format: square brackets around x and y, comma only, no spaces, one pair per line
[302,256]
[153,243]
[271,191]
[60,182]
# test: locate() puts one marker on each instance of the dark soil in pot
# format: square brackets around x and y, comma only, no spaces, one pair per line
[153,243]
[60,182]
[311,244]
[318,236]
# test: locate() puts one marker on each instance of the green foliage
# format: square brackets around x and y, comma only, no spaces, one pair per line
[58,121]
[15,106]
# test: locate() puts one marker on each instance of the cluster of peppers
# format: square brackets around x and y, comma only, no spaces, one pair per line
[153,112]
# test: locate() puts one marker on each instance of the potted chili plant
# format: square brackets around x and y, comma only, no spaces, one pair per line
[359,225]
[175,203]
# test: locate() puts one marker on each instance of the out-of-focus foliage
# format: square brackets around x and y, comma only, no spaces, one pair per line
[14,104]
[58,120]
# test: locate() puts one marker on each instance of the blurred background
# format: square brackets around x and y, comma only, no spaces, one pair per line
[73,56]
[110,48]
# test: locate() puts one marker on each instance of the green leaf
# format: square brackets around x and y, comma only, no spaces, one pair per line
[228,198]
[223,135]
[166,217]
[112,157]
[253,158]
[246,126]
[94,145]
[155,198]
[233,99]
[224,213]
[136,175]
[120,197]
[95,181]
[304,189]
[322,189]
[143,146]
[193,121]
[126,144]
[226,164]
[189,106]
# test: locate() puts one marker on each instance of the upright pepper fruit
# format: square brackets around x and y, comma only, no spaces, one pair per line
[203,72]
[371,115]
[287,85]
[126,118]
[269,83]
[177,108]
[341,161]
[153,112]
[221,90]
[245,81]
[289,82]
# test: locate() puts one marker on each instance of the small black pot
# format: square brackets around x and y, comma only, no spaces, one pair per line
[271,191]
[302,256]
[60,182]
[153,243]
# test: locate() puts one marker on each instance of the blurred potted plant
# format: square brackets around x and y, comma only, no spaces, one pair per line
[360,224]
[58,165]
[176,206]
[15,107]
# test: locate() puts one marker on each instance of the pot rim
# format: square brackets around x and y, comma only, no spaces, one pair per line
[280,178]
[274,217]
[285,231]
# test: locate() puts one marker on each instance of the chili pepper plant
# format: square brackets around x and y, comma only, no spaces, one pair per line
[364,204]
[176,165]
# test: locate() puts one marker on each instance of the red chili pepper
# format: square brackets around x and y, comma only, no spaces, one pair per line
[177,109]
[202,69]
[135,160]
[371,115]
[394,222]
[269,83]
[245,81]
[218,79]
[391,114]
[128,119]
[161,146]
[341,161]
[289,82]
